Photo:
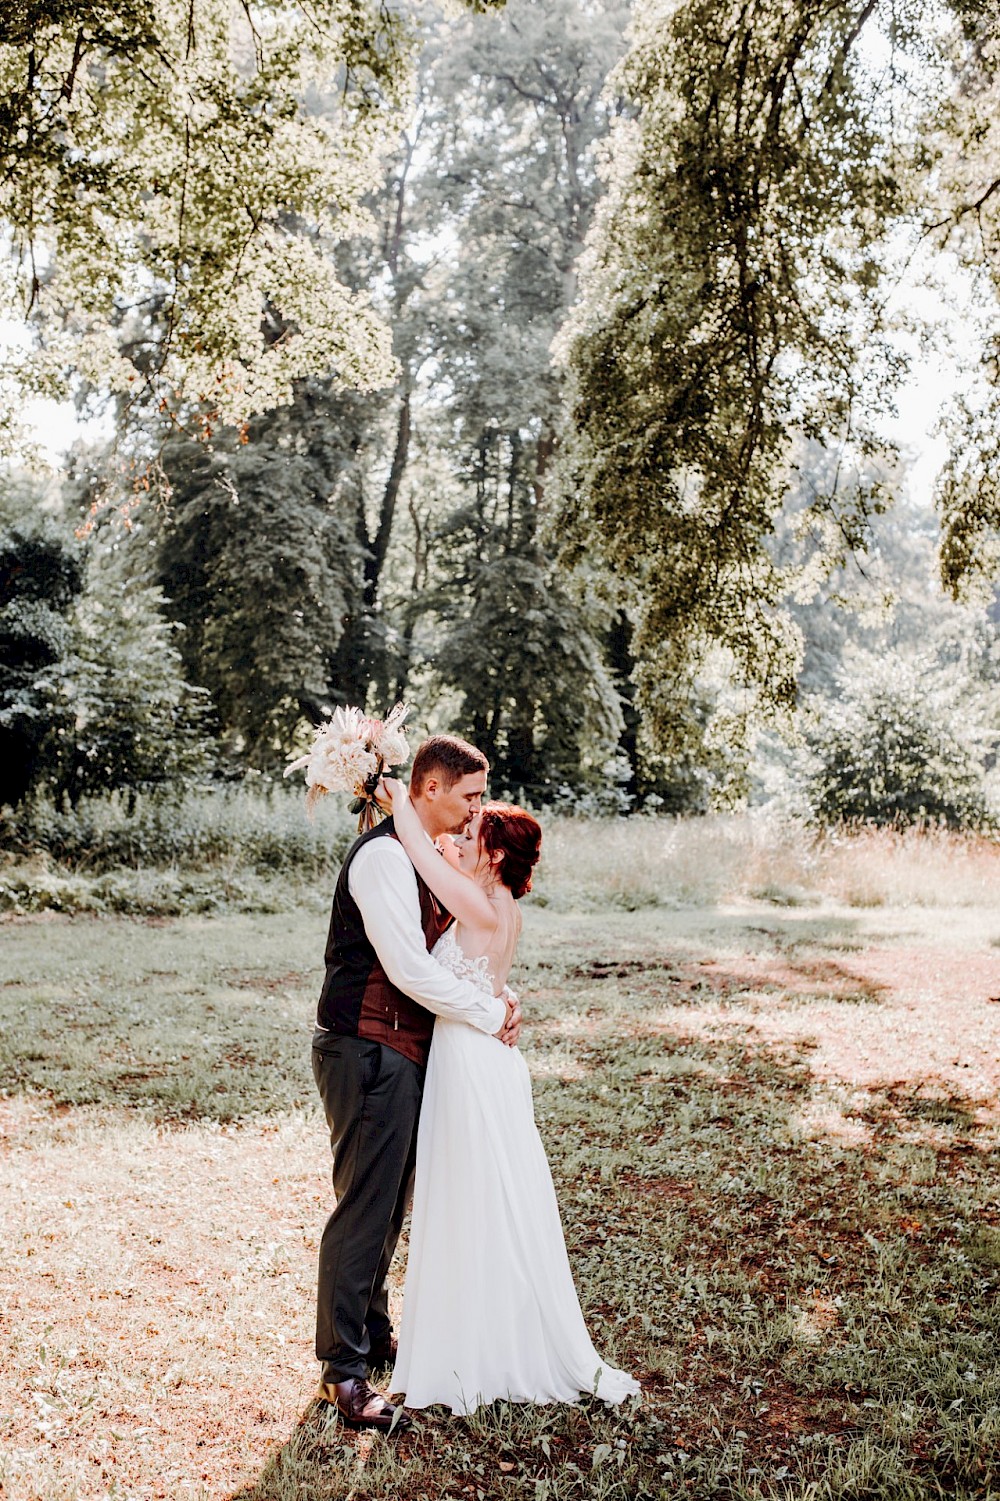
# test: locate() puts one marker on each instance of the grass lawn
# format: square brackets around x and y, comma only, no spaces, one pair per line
[773,1132]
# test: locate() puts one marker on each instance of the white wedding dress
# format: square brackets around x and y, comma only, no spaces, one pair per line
[489,1306]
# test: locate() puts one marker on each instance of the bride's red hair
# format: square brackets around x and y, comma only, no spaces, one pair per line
[511,831]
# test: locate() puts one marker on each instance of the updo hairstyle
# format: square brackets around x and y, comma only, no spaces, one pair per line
[518,837]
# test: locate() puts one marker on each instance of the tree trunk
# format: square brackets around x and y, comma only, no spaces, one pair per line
[512,479]
[622,664]
[412,611]
[544,450]
[379,547]
[520,768]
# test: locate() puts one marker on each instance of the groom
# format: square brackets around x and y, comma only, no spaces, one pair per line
[374,1023]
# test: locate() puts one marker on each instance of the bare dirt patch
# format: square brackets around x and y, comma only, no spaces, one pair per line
[158,1286]
[931,1027]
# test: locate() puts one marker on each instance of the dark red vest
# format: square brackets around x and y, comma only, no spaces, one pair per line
[358,999]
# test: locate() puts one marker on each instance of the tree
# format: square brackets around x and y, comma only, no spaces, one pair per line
[884,592]
[41,576]
[303,500]
[259,562]
[92,693]
[732,301]
[904,741]
[522,653]
[513,117]
[967,221]
[888,657]
[182,167]
[131,721]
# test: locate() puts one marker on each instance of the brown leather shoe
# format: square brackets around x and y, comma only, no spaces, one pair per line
[361,1406]
[383,1353]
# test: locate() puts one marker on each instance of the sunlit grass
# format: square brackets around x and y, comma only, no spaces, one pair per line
[795,1246]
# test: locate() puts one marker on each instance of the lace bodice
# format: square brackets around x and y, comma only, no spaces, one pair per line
[447,952]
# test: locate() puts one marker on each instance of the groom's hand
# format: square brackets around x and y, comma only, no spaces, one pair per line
[511,1029]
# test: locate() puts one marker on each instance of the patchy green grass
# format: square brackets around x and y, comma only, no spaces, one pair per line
[773,1131]
[187,1020]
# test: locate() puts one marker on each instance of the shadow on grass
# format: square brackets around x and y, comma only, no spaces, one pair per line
[299,1466]
[806,1314]
[503,1450]
[807,1285]
[805,978]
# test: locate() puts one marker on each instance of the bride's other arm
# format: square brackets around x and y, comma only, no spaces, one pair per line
[463,897]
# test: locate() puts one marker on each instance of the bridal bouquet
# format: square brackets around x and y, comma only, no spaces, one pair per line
[349,754]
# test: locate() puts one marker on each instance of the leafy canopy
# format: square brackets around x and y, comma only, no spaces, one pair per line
[173,175]
[733,296]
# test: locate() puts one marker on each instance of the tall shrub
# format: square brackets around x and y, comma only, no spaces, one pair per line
[903,741]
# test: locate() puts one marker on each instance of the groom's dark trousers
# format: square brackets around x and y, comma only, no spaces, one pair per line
[369,1059]
[371,1096]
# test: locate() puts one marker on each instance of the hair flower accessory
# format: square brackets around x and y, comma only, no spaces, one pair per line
[349,753]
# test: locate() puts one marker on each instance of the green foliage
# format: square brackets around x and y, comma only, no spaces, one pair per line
[141,893]
[969,496]
[966,209]
[903,742]
[92,693]
[131,719]
[253,827]
[258,562]
[178,168]
[731,297]
[884,592]
[41,576]
[523,655]
[515,111]
[759,164]
[881,633]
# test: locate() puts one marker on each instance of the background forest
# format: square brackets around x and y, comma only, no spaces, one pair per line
[626,513]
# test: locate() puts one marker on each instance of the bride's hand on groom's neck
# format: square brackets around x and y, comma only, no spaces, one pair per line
[388,788]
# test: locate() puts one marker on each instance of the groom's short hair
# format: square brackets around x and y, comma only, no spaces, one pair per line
[447,757]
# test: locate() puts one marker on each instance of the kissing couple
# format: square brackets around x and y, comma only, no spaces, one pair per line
[426,1094]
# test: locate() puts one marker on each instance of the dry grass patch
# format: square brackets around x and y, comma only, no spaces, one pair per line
[638,863]
[156,1284]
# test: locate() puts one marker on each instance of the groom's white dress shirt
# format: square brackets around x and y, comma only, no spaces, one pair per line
[384,884]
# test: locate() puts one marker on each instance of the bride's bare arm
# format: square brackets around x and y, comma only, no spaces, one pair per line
[463,897]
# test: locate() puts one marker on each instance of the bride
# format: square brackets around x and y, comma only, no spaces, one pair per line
[489,1306]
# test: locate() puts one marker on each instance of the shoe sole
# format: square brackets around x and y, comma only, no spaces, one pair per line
[364,1424]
